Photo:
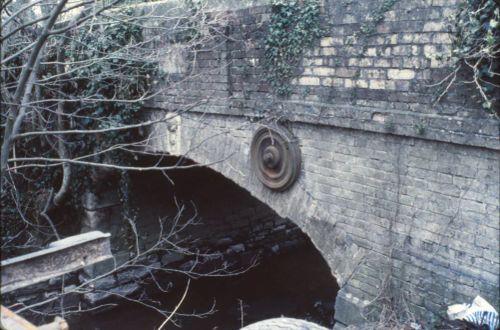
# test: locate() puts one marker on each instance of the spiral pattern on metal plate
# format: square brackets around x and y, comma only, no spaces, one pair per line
[275,157]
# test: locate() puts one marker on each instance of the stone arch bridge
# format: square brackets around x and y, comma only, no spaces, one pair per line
[400,195]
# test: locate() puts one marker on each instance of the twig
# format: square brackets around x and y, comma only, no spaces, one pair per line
[178,305]
[46,216]
[242,313]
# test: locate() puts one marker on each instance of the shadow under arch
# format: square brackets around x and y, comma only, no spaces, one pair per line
[292,278]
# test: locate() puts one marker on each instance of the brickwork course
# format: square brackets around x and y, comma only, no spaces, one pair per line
[400,195]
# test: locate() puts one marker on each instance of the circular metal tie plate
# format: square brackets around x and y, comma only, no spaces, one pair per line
[275,157]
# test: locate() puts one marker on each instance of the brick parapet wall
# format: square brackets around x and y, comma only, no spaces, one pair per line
[381,83]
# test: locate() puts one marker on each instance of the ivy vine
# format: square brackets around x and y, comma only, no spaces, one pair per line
[105,78]
[294,25]
[369,27]
[476,49]
[115,74]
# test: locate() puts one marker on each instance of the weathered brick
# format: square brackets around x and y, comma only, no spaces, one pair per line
[330,51]
[372,51]
[345,72]
[382,63]
[442,38]
[323,71]
[400,74]
[377,84]
[309,81]
[434,26]
[326,42]
[361,83]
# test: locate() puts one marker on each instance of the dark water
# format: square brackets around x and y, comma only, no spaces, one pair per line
[296,284]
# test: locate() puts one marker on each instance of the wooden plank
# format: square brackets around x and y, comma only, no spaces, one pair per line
[59,258]
[11,321]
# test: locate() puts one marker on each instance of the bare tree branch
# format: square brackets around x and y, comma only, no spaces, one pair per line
[15,116]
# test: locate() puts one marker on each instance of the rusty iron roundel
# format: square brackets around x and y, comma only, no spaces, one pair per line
[275,157]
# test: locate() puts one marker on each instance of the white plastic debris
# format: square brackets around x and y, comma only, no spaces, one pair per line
[282,323]
[479,312]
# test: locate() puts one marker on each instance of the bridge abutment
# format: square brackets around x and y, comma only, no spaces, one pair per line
[385,211]
[398,193]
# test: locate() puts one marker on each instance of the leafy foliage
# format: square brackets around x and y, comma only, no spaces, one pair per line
[116,74]
[104,80]
[477,47]
[74,120]
[294,25]
[369,27]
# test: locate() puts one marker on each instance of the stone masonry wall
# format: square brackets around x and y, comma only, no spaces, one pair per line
[400,195]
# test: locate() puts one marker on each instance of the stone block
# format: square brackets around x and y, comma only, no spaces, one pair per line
[348,309]
[339,326]
[171,258]
[127,290]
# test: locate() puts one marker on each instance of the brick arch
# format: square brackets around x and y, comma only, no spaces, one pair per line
[374,204]
[295,204]
[225,149]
